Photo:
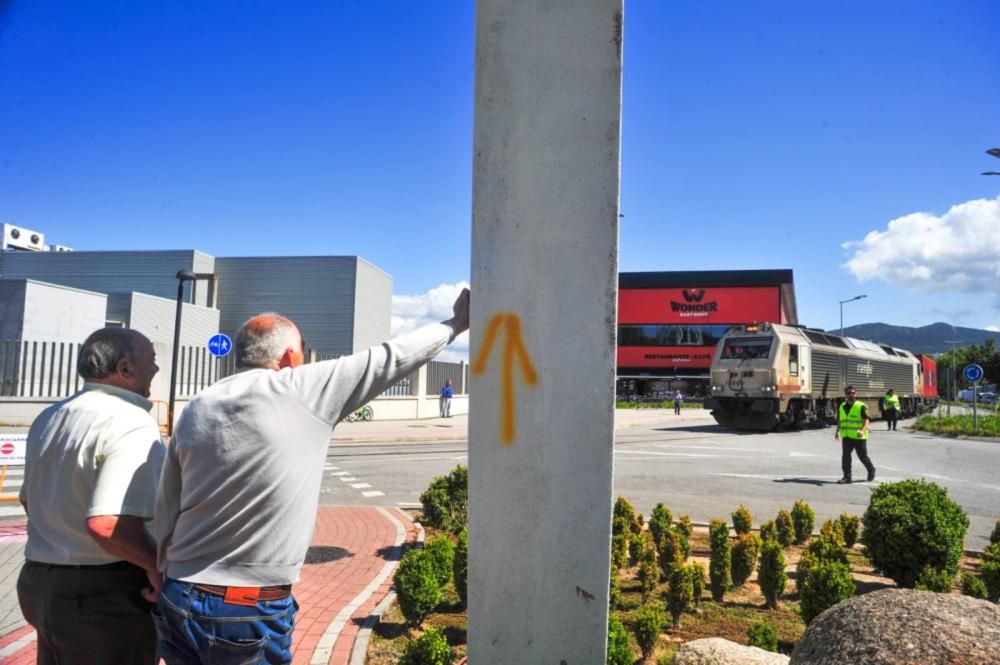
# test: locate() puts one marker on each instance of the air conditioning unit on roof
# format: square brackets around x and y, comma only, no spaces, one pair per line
[18,237]
[61,248]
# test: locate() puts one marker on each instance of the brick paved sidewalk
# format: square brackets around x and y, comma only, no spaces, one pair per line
[348,571]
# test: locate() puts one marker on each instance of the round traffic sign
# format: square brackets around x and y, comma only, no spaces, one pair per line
[7,448]
[972,373]
[220,345]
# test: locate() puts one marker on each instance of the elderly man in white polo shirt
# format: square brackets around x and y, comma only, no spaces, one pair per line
[92,465]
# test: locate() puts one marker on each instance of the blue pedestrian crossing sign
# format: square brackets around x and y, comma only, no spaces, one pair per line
[220,345]
[972,373]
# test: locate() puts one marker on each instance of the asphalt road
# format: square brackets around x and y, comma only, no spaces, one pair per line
[706,472]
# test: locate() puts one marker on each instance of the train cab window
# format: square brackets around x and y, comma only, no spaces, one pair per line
[793,359]
[746,348]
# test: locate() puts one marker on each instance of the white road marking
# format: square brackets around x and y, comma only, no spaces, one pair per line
[372,493]
[409,504]
[656,454]
[341,473]
[330,467]
[349,479]
[360,486]
[959,480]
[401,458]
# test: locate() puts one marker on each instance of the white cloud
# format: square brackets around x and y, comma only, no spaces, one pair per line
[993,328]
[958,251]
[412,312]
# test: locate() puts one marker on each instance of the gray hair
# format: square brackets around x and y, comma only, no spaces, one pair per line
[104,349]
[262,340]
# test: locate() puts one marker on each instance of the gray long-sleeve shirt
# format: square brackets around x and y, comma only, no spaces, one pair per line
[238,493]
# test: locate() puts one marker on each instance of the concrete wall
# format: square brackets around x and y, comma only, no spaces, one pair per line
[153,272]
[11,308]
[317,292]
[58,313]
[372,306]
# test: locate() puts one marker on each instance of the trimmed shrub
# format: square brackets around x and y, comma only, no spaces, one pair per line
[685,525]
[698,580]
[763,636]
[619,651]
[932,579]
[648,622]
[671,553]
[720,562]
[744,558]
[772,577]
[649,573]
[626,511]
[614,591]
[850,526]
[912,524]
[825,585]
[417,587]
[995,536]
[803,520]
[636,545]
[442,553]
[684,543]
[619,551]
[659,522]
[833,530]
[621,527]
[742,520]
[431,648]
[973,586]
[785,528]
[680,593]
[446,501]
[768,532]
[989,571]
[822,549]
[460,567]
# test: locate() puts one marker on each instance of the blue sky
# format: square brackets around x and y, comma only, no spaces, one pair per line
[755,135]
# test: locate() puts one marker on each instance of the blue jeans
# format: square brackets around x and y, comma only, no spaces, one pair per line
[199,628]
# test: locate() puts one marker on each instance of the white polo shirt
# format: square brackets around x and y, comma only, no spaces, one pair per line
[96,453]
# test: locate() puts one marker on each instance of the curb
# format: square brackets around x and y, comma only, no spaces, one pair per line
[359,650]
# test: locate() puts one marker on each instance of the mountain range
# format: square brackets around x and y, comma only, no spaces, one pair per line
[934,338]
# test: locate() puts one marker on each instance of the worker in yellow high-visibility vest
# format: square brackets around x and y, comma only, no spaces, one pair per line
[852,430]
[891,405]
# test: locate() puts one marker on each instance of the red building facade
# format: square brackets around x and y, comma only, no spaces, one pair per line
[670,322]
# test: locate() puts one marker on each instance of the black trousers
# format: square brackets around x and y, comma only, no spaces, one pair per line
[891,418]
[859,445]
[88,615]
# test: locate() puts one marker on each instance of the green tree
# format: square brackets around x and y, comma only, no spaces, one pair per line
[442,553]
[659,522]
[680,593]
[698,580]
[763,636]
[785,528]
[720,561]
[744,557]
[804,520]
[431,648]
[647,626]
[417,587]
[772,576]
[742,520]
[619,651]
[825,585]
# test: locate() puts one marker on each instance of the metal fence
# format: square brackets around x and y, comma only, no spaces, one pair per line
[38,369]
[439,372]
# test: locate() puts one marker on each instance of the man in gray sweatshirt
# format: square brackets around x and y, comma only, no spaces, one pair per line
[237,500]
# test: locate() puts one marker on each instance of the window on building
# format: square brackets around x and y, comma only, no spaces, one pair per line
[670,335]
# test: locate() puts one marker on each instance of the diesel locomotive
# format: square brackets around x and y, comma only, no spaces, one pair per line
[768,376]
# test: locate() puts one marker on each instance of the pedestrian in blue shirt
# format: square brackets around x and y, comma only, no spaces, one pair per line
[446,399]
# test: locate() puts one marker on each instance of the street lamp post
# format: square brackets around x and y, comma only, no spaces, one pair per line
[842,310]
[182,276]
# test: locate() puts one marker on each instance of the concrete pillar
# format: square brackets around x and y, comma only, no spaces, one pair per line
[544,278]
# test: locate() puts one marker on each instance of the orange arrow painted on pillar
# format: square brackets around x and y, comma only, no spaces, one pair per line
[513,349]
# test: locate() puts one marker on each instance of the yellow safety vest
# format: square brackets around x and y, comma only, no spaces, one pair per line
[851,423]
[891,402]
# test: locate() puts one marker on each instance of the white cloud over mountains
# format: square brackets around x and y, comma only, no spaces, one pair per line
[411,312]
[957,252]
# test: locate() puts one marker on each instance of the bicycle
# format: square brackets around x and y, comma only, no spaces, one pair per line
[364,414]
